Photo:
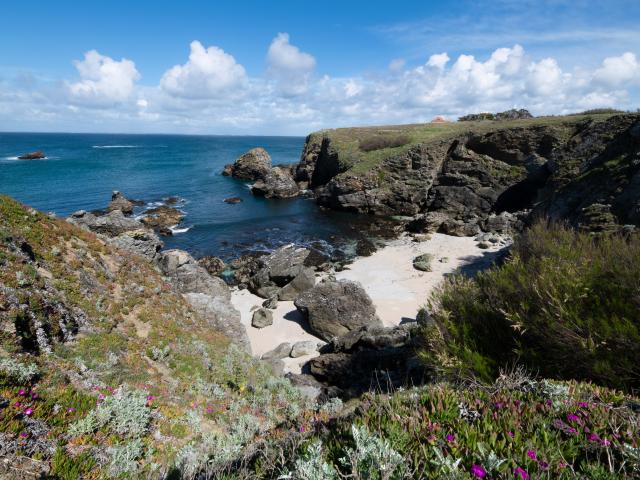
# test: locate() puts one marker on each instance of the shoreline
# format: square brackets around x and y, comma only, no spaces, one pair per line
[396,288]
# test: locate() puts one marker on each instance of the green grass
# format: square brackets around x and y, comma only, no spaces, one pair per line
[566,304]
[356,162]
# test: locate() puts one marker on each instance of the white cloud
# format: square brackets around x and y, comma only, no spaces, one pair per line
[438,60]
[616,71]
[545,77]
[208,73]
[290,67]
[103,80]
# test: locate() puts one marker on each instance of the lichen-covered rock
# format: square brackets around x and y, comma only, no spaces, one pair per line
[252,165]
[162,218]
[423,262]
[189,277]
[112,224]
[119,202]
[335,308]
[278,270]
[305,347]
[213,265]
[142,242]
[262,318]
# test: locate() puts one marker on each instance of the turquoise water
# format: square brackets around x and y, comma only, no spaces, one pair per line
[81,170]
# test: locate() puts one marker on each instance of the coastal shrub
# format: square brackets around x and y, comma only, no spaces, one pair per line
[124,413]
[378,142]
[566,304]
[124,458]
[18,372]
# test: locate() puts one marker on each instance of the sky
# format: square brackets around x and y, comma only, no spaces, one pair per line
[292,67]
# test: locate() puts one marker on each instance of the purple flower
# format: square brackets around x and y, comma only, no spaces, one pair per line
[24,434]
[521,473]
[572,417]
[583,405]
[605,443]
[302,429]
[478,471]
[594,437]
[511,434]
[451,438]
[532,454]
[71,410]
[22,392]
[28,412]
[543,465]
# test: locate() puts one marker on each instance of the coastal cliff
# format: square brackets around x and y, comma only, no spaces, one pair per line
[465,177]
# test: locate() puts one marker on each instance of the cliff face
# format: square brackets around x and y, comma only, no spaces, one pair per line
[458,178]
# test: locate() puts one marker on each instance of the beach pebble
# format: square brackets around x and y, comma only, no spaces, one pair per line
[300,349]
[271,303]
[281,351]
[262,318]
[423,262]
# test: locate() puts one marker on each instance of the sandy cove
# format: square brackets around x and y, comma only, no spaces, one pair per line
[396,288]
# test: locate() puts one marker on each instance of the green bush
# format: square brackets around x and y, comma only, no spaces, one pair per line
[566,304]
[378,142]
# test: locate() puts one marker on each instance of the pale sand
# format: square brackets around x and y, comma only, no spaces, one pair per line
[397,289]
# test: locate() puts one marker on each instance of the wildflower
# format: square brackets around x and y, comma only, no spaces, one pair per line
[594,437]
[71,410]
[499,405]
[34,396]
[532,454]
[451,438]
[511,434]
[478,471]
[302,429]
[583,405]
[572,417]
[17,404]
[24,434]
[543,465]
[562,464]
[605,443]
[517,403]
[28,412]
[521,473]
[22,392]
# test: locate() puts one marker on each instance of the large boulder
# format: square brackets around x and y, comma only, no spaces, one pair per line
[283,273]
[277,183]
[222,317]
[188,277]
[335,308]
[253,165]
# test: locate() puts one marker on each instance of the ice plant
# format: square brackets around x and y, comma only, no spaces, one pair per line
[22,392]
[478,471]
[451,438]
[28,412]
[520,472]
[532,454]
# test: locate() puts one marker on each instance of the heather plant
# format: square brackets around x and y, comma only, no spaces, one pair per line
[566,304]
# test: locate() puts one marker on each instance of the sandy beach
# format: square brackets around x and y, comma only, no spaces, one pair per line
[396,288]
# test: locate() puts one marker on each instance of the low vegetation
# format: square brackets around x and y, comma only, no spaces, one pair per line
[379,142]
[566,304]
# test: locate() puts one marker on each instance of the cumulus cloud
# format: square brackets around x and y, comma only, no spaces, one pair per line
[616,71]
[103,80]
[208,73]
[212,93]
[290,67]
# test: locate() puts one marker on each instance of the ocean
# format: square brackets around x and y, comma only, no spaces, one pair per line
[81,171]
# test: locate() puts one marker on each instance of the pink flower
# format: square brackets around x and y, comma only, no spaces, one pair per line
[583,405]
[605,443]
[511,434]
[594,437]
[543,465]
[451,438]
[521,472]
[24,434]
[302,429]
[17,404]
[71,410]
[22,392]
[150,398]
[572,417]
[532,454]
[478,471]
[28,412]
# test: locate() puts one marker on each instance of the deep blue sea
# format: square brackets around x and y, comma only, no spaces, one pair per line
[81,171]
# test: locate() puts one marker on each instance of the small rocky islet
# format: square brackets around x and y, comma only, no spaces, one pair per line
[107,335]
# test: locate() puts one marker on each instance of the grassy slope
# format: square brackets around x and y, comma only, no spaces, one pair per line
[346,140]
[138,333]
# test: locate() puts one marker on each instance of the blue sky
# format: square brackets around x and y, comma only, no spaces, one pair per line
[290,67]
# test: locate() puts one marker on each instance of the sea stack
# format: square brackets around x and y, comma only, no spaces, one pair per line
[37,155]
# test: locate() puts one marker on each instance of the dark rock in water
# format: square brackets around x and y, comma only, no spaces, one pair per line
[246,266]
[253,165]
[262,318]
[173,200]
[277,183]
[335,308]
[162,218]
[423,262]
[37,155]
[213,265]
[370,359]
[232,200]
[119,202]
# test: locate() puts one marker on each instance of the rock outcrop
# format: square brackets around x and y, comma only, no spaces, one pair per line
[162,218]
[335,308]
[486,178]
[119,202]
[370,358]
[252,165]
